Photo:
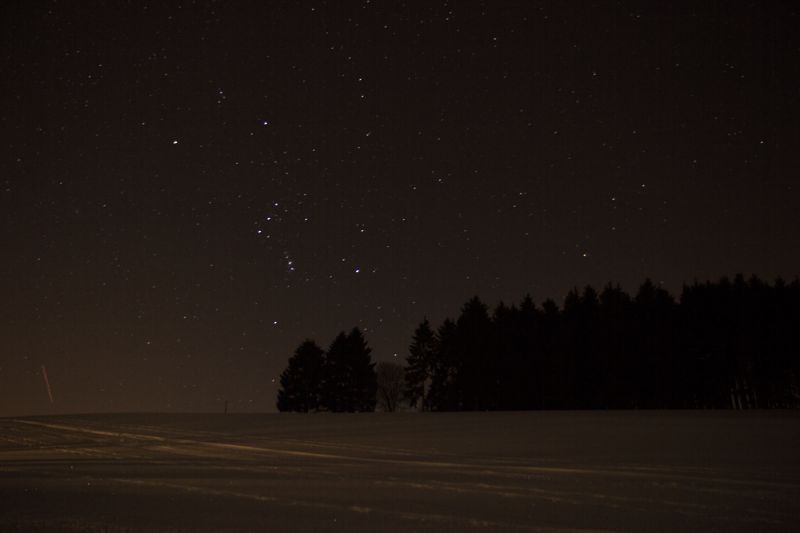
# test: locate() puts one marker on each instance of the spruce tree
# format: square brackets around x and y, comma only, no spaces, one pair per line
[420,366]
[362,370]
[350,383]
[302,379]
[336,380]
[476,369]
[442,393]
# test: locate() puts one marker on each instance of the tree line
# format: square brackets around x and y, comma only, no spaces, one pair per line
[726,344]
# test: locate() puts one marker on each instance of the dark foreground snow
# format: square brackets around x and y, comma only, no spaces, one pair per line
[618,471]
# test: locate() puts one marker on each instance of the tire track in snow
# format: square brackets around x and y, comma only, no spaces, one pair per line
[443,519]
[488,468]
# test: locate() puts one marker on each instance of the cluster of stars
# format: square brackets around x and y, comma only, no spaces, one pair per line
[233,173]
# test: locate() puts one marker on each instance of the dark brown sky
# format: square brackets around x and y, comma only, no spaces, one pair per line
[190,189]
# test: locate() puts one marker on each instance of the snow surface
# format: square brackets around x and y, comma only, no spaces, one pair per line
[526,471]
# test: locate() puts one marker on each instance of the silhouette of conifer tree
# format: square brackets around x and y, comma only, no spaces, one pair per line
[420,366]
[336,382]
[362,369]
[301,381]
[476,369]
[349,383]
[442,393]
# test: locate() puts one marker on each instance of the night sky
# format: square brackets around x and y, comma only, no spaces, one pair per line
[190,189]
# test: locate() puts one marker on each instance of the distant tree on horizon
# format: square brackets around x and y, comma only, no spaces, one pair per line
[302,379]
[475,367]
[442,393]
[390,380]
[420,366]
[365,377]
[349,381]
[336,377]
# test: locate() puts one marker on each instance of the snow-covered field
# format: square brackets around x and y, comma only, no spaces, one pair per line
[545,471]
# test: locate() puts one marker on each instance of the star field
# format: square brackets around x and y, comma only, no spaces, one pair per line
[190,189]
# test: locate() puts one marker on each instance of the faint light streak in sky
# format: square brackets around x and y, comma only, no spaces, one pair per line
[47,383]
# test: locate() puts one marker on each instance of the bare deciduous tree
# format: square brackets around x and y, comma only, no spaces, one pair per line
[390,385]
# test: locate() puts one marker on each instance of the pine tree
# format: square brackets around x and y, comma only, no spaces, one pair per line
[336,380]
[420,366]
[442,393]
[349,383]
[654,312]
[364,377]
[302,379]
[476,374]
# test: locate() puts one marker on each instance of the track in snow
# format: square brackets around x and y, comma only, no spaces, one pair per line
[617,471]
